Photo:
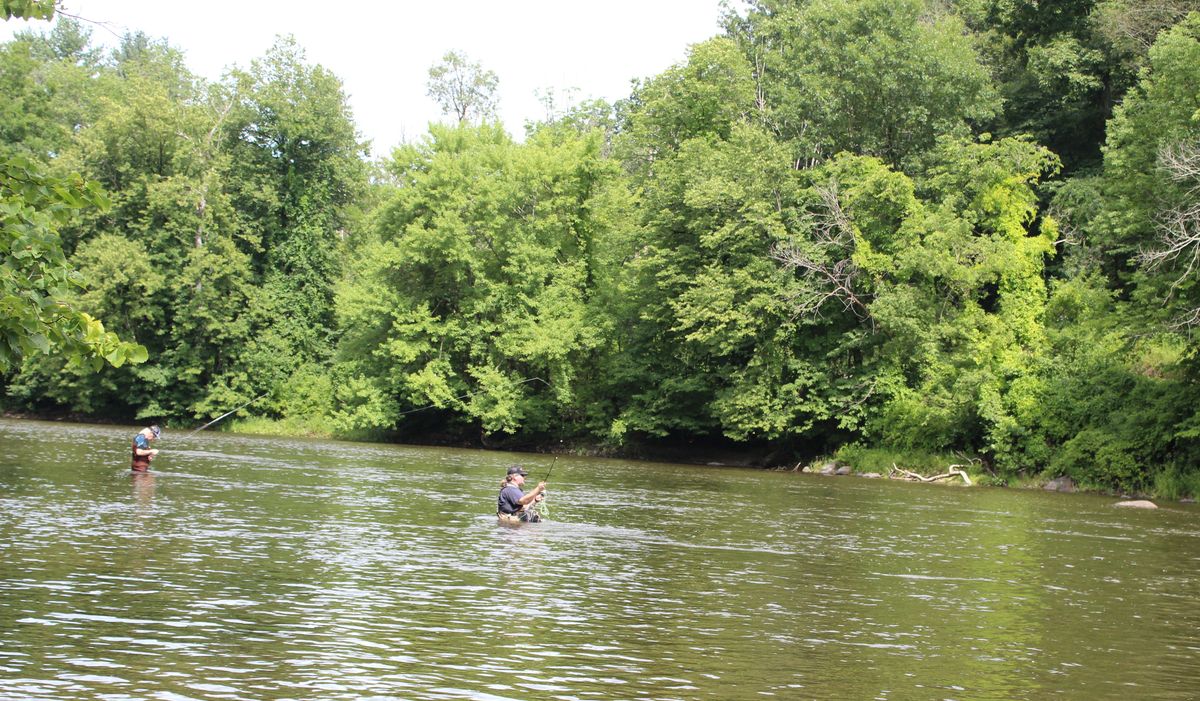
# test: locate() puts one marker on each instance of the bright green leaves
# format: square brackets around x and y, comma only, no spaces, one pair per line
[27,9]
[979,357]
[480,280]
[872,77]
[944,276]
[709,94]
[37,285]
[1161,113]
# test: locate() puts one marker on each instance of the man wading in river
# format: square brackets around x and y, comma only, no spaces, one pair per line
[142,452]
[512,502]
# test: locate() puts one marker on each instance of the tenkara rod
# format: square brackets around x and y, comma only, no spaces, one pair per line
[551,470]
[470,394]
[210,423]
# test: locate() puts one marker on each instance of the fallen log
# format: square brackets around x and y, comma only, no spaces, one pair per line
[953,471]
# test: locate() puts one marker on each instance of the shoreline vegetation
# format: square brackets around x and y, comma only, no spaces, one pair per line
[909,233]
[850,460]
[869,462]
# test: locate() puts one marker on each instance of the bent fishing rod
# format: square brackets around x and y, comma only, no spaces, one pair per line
[210,423]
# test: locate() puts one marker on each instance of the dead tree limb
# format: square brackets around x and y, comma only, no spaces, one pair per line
[953,471]
[826,264]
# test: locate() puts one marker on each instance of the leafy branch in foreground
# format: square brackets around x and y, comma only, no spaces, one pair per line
[27,9]
[36,282]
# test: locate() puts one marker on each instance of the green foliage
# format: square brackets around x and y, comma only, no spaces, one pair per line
[478,282]
[942,278]
[463,88]
[1097,459]
[872,77]
[881,459]
[27,9]
[1062,66]
[707,95]
[36,282]
[1177,484]
[300,405]
[1163,111]
[224,240]
[802,237]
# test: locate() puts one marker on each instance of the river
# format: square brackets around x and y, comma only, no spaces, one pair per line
[261,568]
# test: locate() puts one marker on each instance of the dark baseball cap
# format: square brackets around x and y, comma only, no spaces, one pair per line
[517,470]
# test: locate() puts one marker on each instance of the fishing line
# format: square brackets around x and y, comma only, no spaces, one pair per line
[539,507]
[210,423]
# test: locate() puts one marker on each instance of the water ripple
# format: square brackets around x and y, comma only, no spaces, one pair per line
[269,568]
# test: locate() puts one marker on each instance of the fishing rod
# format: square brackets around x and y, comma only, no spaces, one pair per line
[210,423]
[539,506]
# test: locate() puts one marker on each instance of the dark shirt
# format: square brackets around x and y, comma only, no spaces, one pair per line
[509,500]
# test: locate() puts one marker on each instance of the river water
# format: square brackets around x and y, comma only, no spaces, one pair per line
[256,568]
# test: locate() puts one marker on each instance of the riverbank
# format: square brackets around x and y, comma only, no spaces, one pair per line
[849,459]
[946,468]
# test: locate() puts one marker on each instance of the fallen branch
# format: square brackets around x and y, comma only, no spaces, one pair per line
[953,471]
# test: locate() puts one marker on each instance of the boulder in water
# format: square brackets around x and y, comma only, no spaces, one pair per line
[1060,484]
[1137,504]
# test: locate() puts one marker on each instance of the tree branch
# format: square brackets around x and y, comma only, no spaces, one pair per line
[829,269]
[1178,228]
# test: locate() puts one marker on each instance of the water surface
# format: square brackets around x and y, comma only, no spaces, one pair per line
[253,568]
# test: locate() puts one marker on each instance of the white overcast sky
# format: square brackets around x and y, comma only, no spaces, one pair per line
[382,50]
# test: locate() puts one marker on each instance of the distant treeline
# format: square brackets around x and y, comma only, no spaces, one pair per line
[931,225]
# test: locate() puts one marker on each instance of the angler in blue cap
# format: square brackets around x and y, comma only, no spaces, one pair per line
[142,452]
[512,506]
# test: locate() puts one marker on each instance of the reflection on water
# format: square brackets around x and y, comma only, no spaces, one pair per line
[143,486]
[255,568]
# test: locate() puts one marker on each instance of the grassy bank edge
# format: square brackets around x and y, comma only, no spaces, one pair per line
[1170,486]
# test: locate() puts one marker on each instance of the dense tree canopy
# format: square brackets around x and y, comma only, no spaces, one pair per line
[928,226]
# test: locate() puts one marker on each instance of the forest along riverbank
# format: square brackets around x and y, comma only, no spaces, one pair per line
[912,230]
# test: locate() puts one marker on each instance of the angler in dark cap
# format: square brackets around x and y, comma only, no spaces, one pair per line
[512,506]
[142,452]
